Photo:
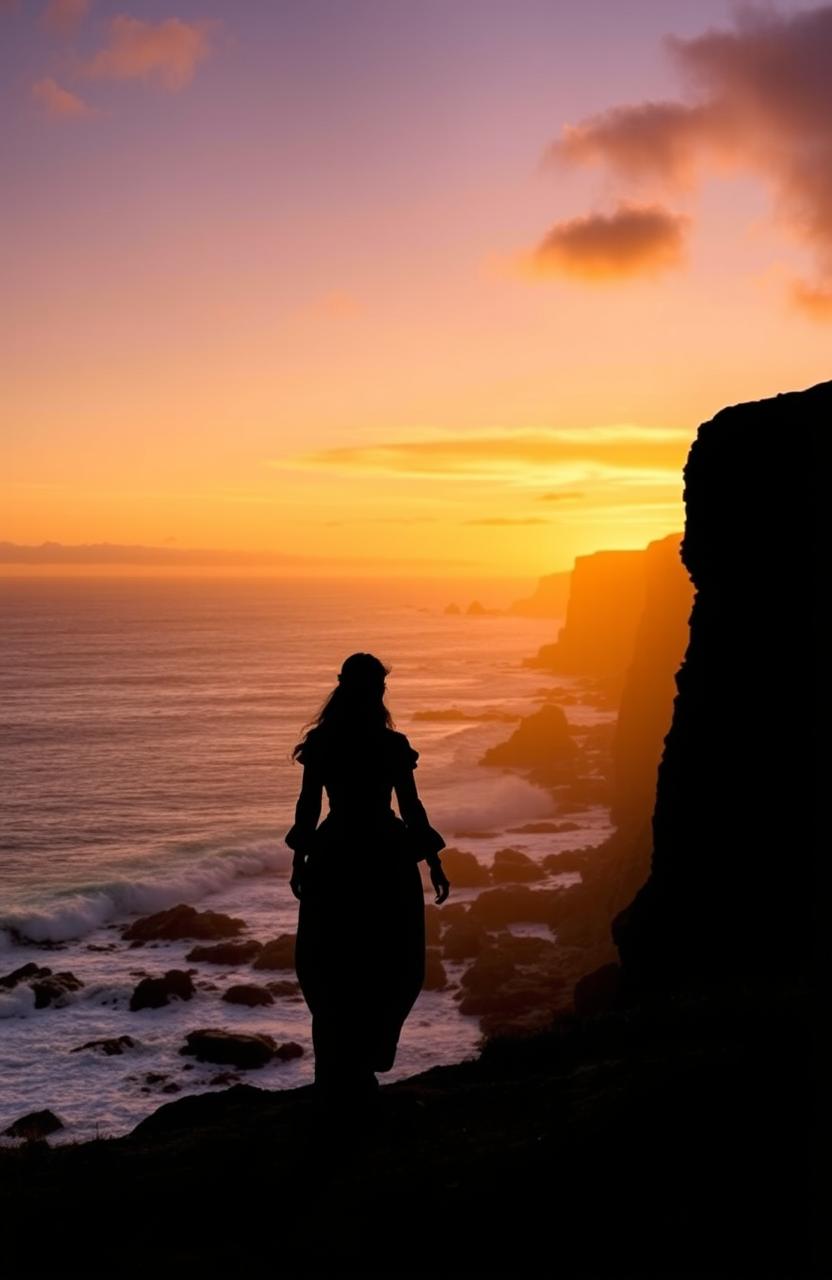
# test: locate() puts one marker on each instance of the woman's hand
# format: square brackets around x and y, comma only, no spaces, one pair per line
[296,881]
[440,882]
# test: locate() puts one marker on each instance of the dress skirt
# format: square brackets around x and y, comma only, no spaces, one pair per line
[359,951]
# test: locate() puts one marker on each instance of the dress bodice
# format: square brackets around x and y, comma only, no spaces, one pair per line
[358,775]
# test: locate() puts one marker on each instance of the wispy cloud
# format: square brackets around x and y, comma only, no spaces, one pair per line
[633,240]
[501,521]
[757,99]
[168,52]
[58,102]
[629,454]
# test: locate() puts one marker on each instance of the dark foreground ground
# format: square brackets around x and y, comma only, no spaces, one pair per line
[658,1142]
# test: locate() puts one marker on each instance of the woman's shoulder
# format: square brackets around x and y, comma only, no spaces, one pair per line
[404,753]
[311,749]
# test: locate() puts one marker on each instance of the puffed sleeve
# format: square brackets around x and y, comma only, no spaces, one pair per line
[408,755]
[308,807]
[309,752]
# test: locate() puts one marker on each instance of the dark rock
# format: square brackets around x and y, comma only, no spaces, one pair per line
[433,922]
[288,1050]
[463,870]
[34,1126]
[541,746]
[22,974]
[55,989]
[182,921]
[277,954]
[489,970]
[435,977]
[232,1048]
[111,1047]
[464,939]
[598,991]
[153,993]
[248,994]
[511,866]
[510,904]
[283,988]
[231,954]
[569,860]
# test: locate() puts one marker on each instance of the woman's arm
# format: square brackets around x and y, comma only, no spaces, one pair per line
[414,816]
[307,810]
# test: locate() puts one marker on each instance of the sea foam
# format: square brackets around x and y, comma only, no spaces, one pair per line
[91,906]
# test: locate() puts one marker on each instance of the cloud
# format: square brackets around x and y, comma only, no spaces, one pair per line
[561,496]
[62,16]
[508,520]
[108,553]
[758,100]
[58,102]
[624,453]
[168,52]
[633,240]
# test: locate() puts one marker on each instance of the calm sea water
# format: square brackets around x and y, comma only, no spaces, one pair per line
[146,730]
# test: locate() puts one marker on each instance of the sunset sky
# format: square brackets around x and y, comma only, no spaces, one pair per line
[441,285]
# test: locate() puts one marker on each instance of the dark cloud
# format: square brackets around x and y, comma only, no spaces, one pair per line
[758,99]
[633,240]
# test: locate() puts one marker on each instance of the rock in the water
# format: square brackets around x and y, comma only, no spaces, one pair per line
[289,1049]
[515,903]
[227,953]
[463,870]
[230,1048]
[35,1125]
[283,988]
[22,974]
[153,993]
[433,923]
[109,1047]
[277,954]
[248,993]
[55,988]
[435,977]
[464,939]
[489,970]
[541,744]
[183,921]
[511,866]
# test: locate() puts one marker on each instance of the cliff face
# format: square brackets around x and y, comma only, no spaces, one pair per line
[613,873]
[646,706]
[606,599]
[732,819]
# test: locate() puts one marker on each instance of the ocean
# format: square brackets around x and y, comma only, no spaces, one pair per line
[146,729]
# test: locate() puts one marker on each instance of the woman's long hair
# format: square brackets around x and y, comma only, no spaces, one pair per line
[356,704]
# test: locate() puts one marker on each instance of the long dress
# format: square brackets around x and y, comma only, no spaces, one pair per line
[360,945]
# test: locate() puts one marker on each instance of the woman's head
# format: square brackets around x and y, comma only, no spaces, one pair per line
[357,701]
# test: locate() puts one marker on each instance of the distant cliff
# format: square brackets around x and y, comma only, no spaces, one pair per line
[732,825]
[606,599]
[548,600]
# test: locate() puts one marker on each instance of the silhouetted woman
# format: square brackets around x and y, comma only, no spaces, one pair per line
[360,948]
